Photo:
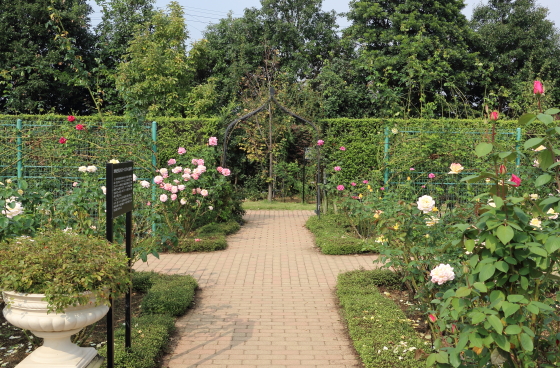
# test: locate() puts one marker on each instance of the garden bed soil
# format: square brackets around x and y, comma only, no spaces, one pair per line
[16,344]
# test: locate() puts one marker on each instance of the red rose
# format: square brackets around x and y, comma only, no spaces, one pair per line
[62,140]
[80,127]
[71,118]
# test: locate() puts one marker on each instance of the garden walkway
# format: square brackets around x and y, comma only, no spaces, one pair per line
[266,301]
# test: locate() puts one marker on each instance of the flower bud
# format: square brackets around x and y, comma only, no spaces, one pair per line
[494,115]
[538,88]
[502,169]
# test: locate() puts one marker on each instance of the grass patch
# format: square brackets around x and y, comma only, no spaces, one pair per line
[208,238]
[379,329]
[167,296]
[277,205]
[333,235]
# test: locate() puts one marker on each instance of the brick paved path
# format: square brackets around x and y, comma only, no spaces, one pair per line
[266,301]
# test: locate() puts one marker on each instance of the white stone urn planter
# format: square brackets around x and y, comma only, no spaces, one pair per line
[29,312]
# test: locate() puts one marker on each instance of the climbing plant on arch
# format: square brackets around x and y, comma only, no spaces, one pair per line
[268,105]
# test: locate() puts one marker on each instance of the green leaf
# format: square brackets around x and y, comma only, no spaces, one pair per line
[542,306]
[524,282]
[469,245]
[454,359]
[547,119]
[552,244]
[552,111]
[502,266]
[482,149]
[495,323]
[498,357]
[520,214]
[431,360]
[509,308]
[512,330]
[533,308]
[527,119]
[486,272]
[545,159]
[501,341]
[533,142]
[463,291]
[539,251]
[480,287]
[507,154]
[542,180]
[477,317]
[549,200]
[504,233]
[515,298]
[498,201]
[442,357]
[472,178]
[526,342]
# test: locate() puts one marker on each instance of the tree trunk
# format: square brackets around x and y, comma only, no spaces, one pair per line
[270,180]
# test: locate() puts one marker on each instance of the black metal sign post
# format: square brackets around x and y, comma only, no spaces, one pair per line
[119,199]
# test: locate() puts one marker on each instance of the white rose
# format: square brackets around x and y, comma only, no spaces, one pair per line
[82,169]
[91,169]
[426,203]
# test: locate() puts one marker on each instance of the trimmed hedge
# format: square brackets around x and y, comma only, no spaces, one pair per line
[167,296]
[211,237]
[379,329]
[332,237]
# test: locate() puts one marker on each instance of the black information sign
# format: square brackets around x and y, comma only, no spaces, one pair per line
[119,201]
[121,182]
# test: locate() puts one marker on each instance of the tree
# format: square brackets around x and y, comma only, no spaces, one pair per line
[34,75]
[154,77]
[415,54]
[518,44]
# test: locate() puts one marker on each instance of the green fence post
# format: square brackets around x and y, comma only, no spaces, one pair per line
[518,158]
[386,156]
[154,164]
[19,127]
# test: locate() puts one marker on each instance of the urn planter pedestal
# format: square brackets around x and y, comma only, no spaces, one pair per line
[29,312]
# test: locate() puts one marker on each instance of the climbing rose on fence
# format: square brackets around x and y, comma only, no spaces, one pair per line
[442,273]
[62,140]
[431,175]
[226,172]
[213,141]
[80,127]
[71,118]
[455,168]
[426,203]
[340,187]
[181,151]
[337,168]
[320,142]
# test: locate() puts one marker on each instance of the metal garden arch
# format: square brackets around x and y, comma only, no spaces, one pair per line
[271,99]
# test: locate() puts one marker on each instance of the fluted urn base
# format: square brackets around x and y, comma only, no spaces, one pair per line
[29,311]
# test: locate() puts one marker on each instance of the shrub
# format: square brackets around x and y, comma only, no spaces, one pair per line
[378,328]
[208,244]
[143,281]
[332,235]
[169,294]
[226,228]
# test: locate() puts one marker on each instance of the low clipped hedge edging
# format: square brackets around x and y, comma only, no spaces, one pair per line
[332,238]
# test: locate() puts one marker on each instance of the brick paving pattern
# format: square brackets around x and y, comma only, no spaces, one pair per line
[266,301]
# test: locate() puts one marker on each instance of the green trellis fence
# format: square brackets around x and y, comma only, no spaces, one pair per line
[32,150]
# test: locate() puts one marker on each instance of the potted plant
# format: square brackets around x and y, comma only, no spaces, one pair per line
[54,285]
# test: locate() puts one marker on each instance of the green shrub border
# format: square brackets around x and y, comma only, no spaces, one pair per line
[167,296]
[211,237]
[377,327]
[332,237]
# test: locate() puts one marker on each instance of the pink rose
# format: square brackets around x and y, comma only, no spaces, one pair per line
[80,127]
[158,179]
[353,184]
[431,175]
[186,177]
[382,188]
[174,189]
[167,186]
[197,240]
[62,140]
[213,141]
[204,192]
[75,184]
[494,115]
[340,187]
[173,196]
[171,161]
[194,161]
[320,142]
[181,187]
[516,179]
[343,148]
[71,118]
[181,151]
[198,190]
[177,170]
[163,197]
[337,168]
[432,318]
[411,169]
[365,181]
[219,168]
[538,88]
[226,172]
[200,162]
[195,176]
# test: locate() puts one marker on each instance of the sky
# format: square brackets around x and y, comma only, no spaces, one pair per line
[200,15]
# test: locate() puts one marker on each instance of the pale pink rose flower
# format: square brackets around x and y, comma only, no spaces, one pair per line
[455,168]
[104,189]
[186,177]
[181,150]
[201,168]
[320,142]
[213,141]
[200,162]
[177,170]
[75,184]
[167,186]
[181,187]
[187,171]
[194,161]
[145,183]
[171,161]
[198,190]
[197,171]
[226,172]
[194,191]
[176,181]
[431,175]
[183,201]
[174,189]
[337,168]
[197,240]
[442,273]
[173,197]
[219,168]
[148,203]
[163,172]
[163,197]
[195,176]
[204,192]
[158,179]
[353,184]
[340,187]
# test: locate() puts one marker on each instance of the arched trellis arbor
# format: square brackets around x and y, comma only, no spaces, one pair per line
[270,100]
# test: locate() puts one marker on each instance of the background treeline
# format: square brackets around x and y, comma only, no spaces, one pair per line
[413,58]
